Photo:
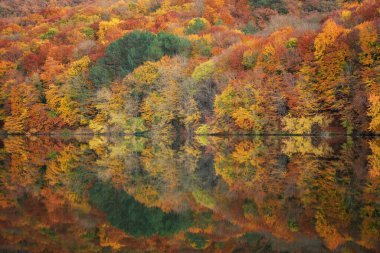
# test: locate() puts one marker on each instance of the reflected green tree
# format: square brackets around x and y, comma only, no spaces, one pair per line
[124,212]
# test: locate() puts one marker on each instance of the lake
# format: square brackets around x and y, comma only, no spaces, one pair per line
[206,194]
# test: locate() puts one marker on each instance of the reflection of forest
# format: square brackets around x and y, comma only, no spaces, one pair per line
[272,194]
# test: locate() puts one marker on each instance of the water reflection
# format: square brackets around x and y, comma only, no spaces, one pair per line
[211,194]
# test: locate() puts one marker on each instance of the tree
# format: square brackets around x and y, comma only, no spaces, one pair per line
[51,71]
[27,113]
[277,5]
[101,122]
[173,105]
[374,113]
[203,71]
[106,28]
[239,104]
[145,75]
[21,98]
[69,95]
[196,25]
[131,51]
[249,28]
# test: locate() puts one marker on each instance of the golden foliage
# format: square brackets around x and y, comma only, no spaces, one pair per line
[303,125]
[346,15]
[303,145]
[244,119]
[147,73]
[368,42]
[328,232]
[203,71]
[374,112]
[5,66]
[105,27]
[331,31]
[374,159]
[78,67]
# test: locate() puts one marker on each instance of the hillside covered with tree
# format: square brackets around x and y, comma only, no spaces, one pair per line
[190,67]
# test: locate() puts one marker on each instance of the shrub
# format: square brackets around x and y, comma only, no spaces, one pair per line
[250,28]
[49,34]
[196,25]
[291,43]
[88,32]
[204,198]
[203,130]
[277,5]
[197,241]
[203,71]
[346,15]
[202,47]
[249,59]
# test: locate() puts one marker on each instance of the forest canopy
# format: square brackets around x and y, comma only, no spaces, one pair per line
[190,67]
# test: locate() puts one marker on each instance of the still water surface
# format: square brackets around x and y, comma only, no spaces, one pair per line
[209,194]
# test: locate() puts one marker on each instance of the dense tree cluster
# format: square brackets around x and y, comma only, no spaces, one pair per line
[131,51]
[206,67]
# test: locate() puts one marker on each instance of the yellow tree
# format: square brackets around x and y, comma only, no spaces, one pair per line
[374,113]
[331,54]
[109,30]
[368,38]
[21,98]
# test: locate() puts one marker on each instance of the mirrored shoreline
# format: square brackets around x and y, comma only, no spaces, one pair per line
[207,194]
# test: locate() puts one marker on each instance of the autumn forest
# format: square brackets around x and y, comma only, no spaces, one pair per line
[218,126]
[190,67]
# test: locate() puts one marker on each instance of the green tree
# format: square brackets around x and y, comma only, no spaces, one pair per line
[277,5]
[125,213]
[196,25]
[126,54]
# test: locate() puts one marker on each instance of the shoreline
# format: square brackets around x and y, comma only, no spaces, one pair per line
[322,135]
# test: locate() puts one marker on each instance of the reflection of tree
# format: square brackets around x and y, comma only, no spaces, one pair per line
[124,212]
[149,171]
[40,215]
[331,187]
[284,185]
[303,146]
[126,193]
[370,211]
